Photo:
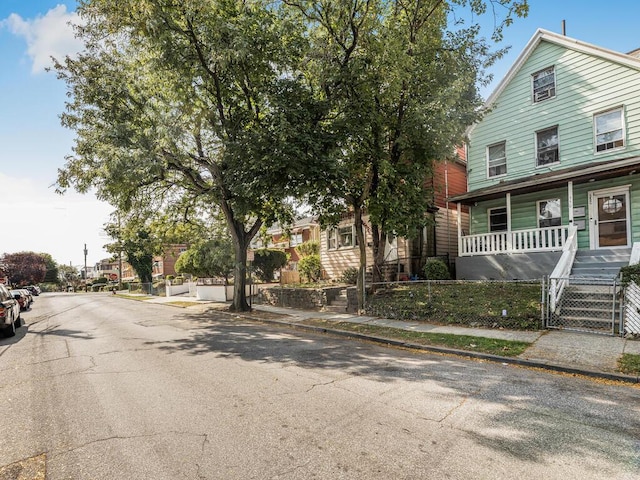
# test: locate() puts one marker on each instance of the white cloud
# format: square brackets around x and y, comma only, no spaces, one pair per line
[47,36]
[43,221]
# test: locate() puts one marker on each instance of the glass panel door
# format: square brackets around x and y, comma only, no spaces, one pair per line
[612,222]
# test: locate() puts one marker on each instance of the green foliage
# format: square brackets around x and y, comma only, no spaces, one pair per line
[267,261]
[462,303]
[630,273]
[629,363]
[213,258]
[308,248]
[51,276]
[310,268]
[101,281]
[170,277]
[350,276]
[436,269]
[197,104]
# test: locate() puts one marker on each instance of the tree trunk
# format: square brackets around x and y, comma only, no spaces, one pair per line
[362,246]
[379,242]
[240,273]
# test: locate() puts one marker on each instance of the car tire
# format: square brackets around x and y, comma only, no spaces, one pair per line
[11,331]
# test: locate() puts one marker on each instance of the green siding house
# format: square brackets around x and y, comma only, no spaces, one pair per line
[554,165]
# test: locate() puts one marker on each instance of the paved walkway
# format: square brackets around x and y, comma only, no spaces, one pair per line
[560,350]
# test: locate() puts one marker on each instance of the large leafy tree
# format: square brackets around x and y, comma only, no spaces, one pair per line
[24,268]
[51,276]
[402,84]
[212,258]
[197,100]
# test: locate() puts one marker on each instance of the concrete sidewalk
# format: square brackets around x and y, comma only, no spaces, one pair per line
[559,350]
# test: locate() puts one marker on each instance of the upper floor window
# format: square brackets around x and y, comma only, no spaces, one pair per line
[497,159]
[497,219]
[295,239]
[544,84]
[609,130]
[549,213]
[547,147]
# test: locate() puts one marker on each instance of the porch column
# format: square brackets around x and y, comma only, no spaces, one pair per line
[509,243]
[459,225]
[570,201]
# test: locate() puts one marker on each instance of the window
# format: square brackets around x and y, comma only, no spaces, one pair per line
[609,130]
[341,237]
[332,242]
[549,213]
[295,239]
[547,147]
[498,219]
[544,84]
[497,159]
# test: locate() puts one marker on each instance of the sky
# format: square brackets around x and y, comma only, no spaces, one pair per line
[33,144]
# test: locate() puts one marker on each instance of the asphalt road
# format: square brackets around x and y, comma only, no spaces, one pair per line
[99,387]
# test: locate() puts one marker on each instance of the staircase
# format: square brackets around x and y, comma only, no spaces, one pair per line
[338,304]
[605,263]
[591,299]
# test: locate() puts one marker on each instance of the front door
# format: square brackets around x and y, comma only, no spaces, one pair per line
[610,218]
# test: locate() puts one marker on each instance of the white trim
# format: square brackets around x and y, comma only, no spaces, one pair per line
[487,159]
[567,42]
[538,211]
[555,86]
[623,127]
[593,196]
[535,134]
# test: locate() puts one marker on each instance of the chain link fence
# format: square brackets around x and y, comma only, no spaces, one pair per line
[587,305]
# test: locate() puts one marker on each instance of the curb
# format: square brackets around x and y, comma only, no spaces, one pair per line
[618,377]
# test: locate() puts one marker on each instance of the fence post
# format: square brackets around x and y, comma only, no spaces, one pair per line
[543,310]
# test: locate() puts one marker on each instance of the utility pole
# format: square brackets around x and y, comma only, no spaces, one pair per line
[85,267]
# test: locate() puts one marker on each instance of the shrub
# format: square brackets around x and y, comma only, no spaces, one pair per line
[101,281]
[630,273]
[310,268]
[436,269]
[308,248]
[266,261]
[350,276]
[170,277]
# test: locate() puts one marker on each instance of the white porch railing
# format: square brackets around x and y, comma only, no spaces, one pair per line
[560,276]
[516,241]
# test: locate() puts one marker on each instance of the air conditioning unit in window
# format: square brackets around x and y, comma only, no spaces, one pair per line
[542,94]
[548,156]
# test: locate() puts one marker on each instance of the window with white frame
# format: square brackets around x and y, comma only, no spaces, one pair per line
[549,213]
[547,147]
[544,84]
[497,159]
[609,130]
[295,239]
[497,219]
[341,237]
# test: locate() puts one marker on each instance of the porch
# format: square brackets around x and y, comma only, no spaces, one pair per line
[530,240]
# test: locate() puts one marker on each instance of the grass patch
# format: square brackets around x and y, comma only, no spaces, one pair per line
[183,304]
[629,363]
[140,298]
[478,304]
[505,348]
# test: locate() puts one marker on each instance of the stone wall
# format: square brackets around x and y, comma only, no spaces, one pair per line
[301,298]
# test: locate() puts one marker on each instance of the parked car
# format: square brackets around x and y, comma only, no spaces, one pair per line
[34,289]
[9,312]
[28,294]
[22,298]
